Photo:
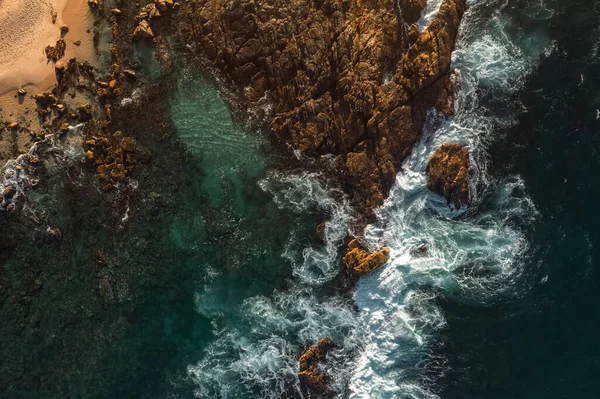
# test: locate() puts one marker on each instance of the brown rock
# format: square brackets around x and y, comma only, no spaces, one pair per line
[64,29]
[55,53]
[448,173]
[128,144]
[344,77]
[311,376]
[149,12]
[143,31]
[161,5]
[359,261]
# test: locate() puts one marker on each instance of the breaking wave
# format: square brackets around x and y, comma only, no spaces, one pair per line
[472,256]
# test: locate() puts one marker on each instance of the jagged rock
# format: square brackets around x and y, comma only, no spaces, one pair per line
[21,92]
[115,11]
[143,31]
[419,251]
[93,3]
[55,53]
[343,76]
[311,375]
[148,12]
[128,144]
[360,261]
[163,5]
[448,173]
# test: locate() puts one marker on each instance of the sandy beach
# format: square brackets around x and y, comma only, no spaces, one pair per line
[28,26]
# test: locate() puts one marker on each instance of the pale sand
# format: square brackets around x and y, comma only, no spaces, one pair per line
[26,28]
[25,31]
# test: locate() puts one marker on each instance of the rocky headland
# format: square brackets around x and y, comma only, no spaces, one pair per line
[347,82]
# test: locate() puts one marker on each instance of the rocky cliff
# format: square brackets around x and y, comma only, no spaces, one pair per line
[352,79]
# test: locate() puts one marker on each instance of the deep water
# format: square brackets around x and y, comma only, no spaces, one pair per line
[541,343]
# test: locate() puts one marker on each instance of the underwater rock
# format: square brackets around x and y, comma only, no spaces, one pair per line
[311,375]
[419,251]
[448,174]
[343,77]
[360,261]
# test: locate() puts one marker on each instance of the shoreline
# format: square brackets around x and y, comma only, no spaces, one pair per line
[31,26]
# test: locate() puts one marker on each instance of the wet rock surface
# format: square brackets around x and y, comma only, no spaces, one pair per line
[359,261]
[341,77]
[312,374]
[448,174]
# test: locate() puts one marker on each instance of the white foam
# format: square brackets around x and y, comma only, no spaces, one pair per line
[428,13]
[258,342]
[470,255]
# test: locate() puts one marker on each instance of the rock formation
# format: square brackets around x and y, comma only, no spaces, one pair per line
[351,78]
[359,261]
[448,174]
[311,375]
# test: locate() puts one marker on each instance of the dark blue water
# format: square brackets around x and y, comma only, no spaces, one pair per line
[542,342]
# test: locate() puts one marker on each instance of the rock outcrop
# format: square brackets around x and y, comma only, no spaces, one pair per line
[351,78]
[448,174]
[359,261]
[311,375]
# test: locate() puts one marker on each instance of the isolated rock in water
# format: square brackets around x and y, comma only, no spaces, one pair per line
[359,261]
[419,251]
[311,375]
[448,174]
[320,231]
[143,30]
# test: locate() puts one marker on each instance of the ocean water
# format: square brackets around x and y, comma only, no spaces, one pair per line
[231,283]
[441,326]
